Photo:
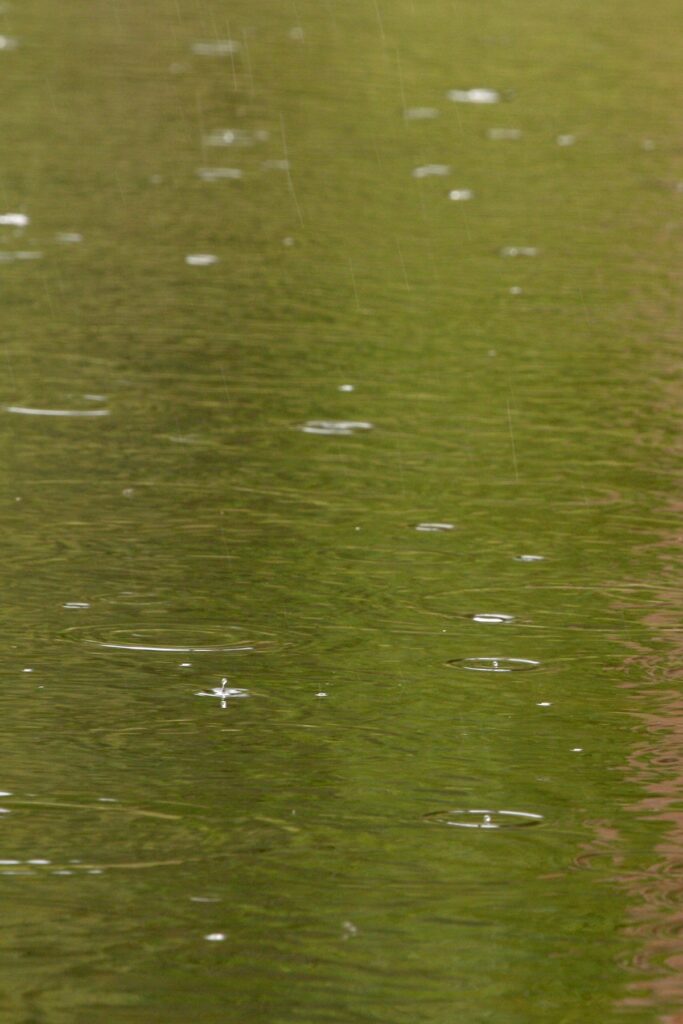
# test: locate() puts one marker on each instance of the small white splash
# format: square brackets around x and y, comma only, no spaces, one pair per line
[5,792]
[216,937]
[224,693]
[7,861]
[4,810]
[459,195]
[346,387]
[28,670]
[515,290]
[14,220]
[577,750]
[107,799]
[68,237]
[275,165]
[431,170]
[510,251]
[565,140]
[288,241]
[473,96]
[185,664]
[297,34]
[340,428]
[235,137]
[321,693]
[39,860]
[128,492]
[76,604]
[503,134]
[8,43]
[543,704]
[529,558]
[434,527]
[201,259]
[220,173]
[493,618]
[420,113]
[349,930]
[217,48]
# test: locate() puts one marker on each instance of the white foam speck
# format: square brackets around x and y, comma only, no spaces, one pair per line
[474,96]
[201,259]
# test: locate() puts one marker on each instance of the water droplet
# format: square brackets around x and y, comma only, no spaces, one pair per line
[14,220]
[216,48]
[76,604]
[223,692]
[420,113]
[219,173]
[484,819]
[215,937]
[529,558]
[565,140]
[321,694]
[175,640]
[201,259]
[544,704]
[434,527]
[492,618]
[459,195]
[431,170]
[473,95]
[25,410]
[577,750]
[38,860]
[510,251]
[494,664]
[340,428]
[6,862]
[346,387]
[502,134]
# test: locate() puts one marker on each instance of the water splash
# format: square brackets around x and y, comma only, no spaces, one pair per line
[336,428]
[473,96]
[494,664]
[484,819]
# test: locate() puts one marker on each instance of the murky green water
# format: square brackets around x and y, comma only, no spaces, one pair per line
[265,756]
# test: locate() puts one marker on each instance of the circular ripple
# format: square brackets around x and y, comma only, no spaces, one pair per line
[484,819]
[175,640]
[27,410]
[494,664]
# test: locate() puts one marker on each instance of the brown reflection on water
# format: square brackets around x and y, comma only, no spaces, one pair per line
[656,766]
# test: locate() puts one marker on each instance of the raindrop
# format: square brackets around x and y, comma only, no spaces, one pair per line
[492,618]
[219,173]
[346,387]
[434,527]
[420,113]
[502,134]
[215,937]
[175,640]
[76,604]
[458,195]
[494,664]
[38,860]
[25,410]
[431,170]
[14,220]
[484,819]
[473,96]
[518,250]
[201,259]
[565,140]
[216,48]
[338,428]
[529,558]
[223,692]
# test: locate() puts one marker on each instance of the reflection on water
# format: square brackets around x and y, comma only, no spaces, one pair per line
[266,392]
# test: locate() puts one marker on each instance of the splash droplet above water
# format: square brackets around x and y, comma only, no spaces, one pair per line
[76,604]
[434,527]
[338,428]
[484,819]
[494,664]
[473,96]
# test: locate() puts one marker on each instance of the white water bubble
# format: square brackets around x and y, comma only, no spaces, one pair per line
[14,220]
[76,605]
[434,527]
[19,257]
[216,48]
[216,937]
[510,251]
[431,170]
[335,428]
[201,259]
[420,113]
[346,387]
[220,173]
[516,290]
[529,558]
[459,195]
[473,95]
[235,137]
[492,618]
[503,134]
[28,410]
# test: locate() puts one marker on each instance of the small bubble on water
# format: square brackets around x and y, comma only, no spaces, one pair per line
[42,861]
[492,618]
[473,95]
[28,670]
[201,259]
[459,195]
[338,428]
[216,48]
[8,862]
[434,527]
[185,664]
[76,604]
[420,113]
[502,134]
[321,693]
[431,170]
[494,664]
[215,937]
[516,290]
[288,241]
[565,140]
[14,220]
[346,387]
[577,750]
[529,558]
[544,704]
[128,492]
[511,251]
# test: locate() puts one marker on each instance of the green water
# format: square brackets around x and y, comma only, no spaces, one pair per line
[278,855]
